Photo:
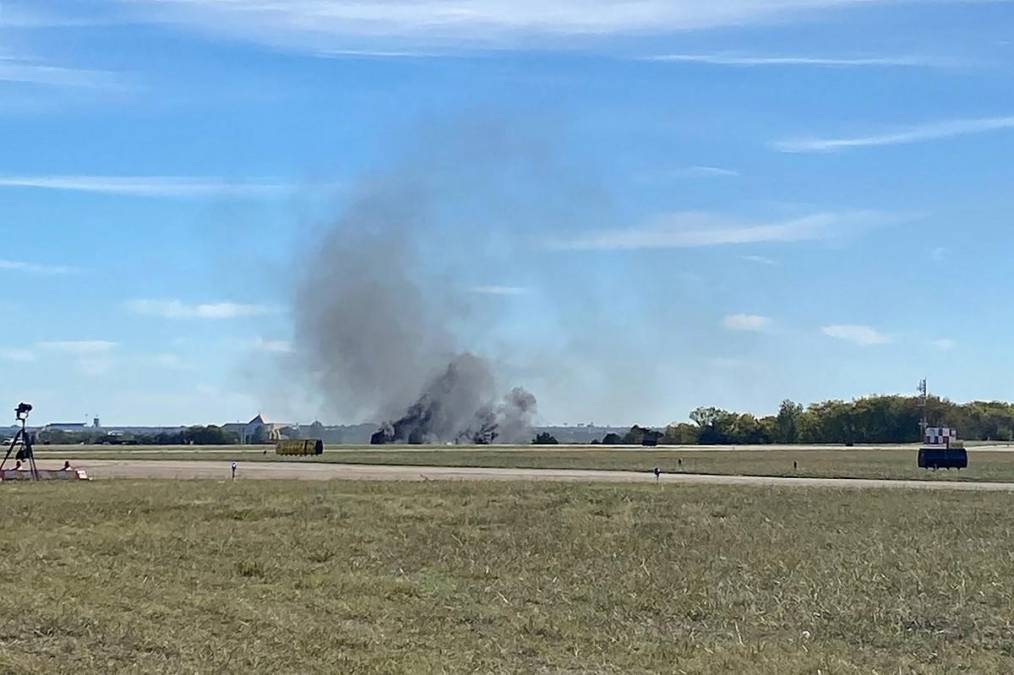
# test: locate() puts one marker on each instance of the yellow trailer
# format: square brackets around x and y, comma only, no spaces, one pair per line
[302,447]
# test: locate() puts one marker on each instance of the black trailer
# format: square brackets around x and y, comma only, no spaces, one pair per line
[943,458]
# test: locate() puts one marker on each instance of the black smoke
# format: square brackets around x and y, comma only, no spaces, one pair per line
[375,325]
[455,408]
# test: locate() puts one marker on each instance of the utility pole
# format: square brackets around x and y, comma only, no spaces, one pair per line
[924,423]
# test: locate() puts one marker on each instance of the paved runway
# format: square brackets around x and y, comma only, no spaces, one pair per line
[185,469]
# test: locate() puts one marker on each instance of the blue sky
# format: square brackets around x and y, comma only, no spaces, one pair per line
[727,202]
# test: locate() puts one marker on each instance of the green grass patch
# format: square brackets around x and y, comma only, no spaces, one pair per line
[439,577]
[887,463]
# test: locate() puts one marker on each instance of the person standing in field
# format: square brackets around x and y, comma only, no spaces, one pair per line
[233,467]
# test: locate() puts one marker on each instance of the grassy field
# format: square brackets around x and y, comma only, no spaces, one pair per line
[888,463]
[344,577]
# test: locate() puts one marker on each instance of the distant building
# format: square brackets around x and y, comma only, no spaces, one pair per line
[257,430]
[65,426]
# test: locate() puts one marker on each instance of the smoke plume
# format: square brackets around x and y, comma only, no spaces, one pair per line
[376,329]
[447,411]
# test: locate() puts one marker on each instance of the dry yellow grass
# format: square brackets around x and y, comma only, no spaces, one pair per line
[343,577]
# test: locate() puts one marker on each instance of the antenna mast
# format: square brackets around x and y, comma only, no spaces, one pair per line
[923,390]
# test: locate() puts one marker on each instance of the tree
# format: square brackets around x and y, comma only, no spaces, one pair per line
[832,422]
[54,436]
[768,428]
[715,426]
[870,419]
[635,436]
[612,439]
[680,434]
[746,429]
[209,435]
[705,417]
[787,422]
[639,435]
[545,438]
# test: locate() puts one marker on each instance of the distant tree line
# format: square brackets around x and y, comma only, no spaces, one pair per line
[195,435]
[636,436]
[872,419]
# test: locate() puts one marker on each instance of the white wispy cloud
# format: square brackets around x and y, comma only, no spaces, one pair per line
[498,290]
[79,347]
[90,357]
[151,186]
[272,346]
[863,336]
[749,60]
[382,54]
[759,259]
[26,71]
[19,15]
[177,309]
[35,268]
[319,25]
[913,134]
[705,172]
[694,229]
[944,344]
[746,322]
[15,354]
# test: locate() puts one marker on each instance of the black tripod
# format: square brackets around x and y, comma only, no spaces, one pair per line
[23,441]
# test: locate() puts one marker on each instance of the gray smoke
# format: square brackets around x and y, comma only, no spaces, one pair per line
[375,330]
[453,408]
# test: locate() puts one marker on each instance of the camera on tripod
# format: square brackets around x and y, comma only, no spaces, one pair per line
[22,443]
